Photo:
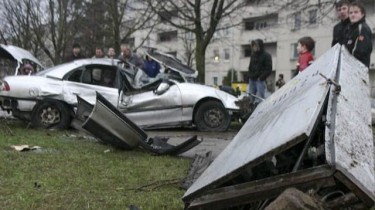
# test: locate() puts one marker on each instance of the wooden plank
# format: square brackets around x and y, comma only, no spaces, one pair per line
[321,176]
[364,196]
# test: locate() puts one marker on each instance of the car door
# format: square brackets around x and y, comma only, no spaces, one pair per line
[85,81]
[151,109]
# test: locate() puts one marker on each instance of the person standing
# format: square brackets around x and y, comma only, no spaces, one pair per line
[359,34]
[99,53]
[76,53]
[260,68]
[128,56]
[280,82]
[340,29]
[111,53]
[152,67]
[304,48]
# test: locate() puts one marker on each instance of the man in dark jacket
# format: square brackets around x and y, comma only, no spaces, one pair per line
[341,28]
[76,53]
[359,35]
[128,56]
[259,69]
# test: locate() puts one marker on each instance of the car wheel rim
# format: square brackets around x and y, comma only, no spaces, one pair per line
[50,116]
[213,117]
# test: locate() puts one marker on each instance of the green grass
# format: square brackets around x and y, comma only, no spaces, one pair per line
[72,172]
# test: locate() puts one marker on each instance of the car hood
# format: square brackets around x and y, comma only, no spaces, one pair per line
[17,53]
[192,92]
[172,63]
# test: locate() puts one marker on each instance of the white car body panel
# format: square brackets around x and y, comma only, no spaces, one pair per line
[145,107]
[20,54]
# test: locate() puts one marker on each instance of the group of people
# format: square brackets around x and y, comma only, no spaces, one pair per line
[99,53]
[150,66]
[352,31]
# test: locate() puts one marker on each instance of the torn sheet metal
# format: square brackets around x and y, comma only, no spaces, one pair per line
[284,119]
[160,146]
[111,126]
[349,138]
[19,54]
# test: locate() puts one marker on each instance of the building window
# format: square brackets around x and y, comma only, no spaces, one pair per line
[226,31]
[167,36]
[249,25]
[293,51]
[216,55]
[261,22]
[130,41]
[251,2]
[297,21]
[261,25]
[246,51]
[258,25]
[313,16]
[167,15]
[226,54]
[173,53]
[190,35]
[215,79]
[216,34]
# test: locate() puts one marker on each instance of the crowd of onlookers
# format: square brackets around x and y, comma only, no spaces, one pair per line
[148,65]
[352,32]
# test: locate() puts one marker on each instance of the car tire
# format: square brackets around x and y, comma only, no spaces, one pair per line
[212,116]
[51,114]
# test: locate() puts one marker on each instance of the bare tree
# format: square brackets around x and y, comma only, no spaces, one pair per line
[17,27]
[201,17]
[55,24]
[127,17]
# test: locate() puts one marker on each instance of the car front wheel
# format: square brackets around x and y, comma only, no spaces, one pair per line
[212,116]
[51,114]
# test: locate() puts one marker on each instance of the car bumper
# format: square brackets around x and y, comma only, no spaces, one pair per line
[19,108]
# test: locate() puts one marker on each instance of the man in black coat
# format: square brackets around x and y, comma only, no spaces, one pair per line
[341,28]
[260,68]
[76,53]
[359,35]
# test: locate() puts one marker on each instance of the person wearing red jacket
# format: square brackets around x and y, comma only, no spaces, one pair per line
[304,47]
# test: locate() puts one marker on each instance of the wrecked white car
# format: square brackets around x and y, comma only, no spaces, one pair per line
[49,98]
[14,60]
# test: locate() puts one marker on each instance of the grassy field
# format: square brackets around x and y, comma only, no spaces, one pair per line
[73,172]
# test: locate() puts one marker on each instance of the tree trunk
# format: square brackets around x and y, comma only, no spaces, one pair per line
[200,62]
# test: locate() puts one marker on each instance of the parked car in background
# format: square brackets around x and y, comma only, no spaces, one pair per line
[17,61]
[48,98]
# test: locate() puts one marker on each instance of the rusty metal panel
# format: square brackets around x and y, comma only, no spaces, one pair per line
[281,121]
[350,147]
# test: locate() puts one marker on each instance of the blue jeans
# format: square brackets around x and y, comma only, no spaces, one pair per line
[257,87]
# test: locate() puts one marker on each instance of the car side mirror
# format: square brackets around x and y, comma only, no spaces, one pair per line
[162,88]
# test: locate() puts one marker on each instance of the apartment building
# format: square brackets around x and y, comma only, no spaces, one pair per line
[278,23]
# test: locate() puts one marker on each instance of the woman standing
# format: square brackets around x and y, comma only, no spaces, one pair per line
[359,35]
